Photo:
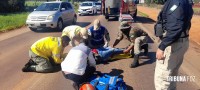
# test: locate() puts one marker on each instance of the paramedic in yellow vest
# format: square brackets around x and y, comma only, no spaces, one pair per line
[75,33]
[45,54]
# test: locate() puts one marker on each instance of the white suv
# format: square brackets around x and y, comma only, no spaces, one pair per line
[88,7]
[53,14]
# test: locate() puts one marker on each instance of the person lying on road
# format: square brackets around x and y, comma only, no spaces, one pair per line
[105,53]
[45,54]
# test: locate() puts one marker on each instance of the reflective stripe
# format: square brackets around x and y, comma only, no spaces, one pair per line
[77,31]
[111,81]
[56,55]
[59,41]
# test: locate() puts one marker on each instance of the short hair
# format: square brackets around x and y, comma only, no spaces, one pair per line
[65,38]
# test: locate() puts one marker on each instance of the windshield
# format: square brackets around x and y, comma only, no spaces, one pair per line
[97,3]
[48,7]
[86,4]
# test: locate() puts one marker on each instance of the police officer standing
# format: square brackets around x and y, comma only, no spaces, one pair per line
[174,21]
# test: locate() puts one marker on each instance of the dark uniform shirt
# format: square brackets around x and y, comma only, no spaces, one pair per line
[177,15]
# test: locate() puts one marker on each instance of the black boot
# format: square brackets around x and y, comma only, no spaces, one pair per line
[132,53]
[31,68]
[145,47]
[30,62]
[135,62]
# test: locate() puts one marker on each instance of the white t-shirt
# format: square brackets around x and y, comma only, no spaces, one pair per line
[76,60]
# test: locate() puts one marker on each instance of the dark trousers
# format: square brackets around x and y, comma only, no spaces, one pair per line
[79,79]
[145,47]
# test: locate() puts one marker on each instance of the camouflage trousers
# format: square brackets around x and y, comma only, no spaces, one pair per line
[170,65]
[139,41]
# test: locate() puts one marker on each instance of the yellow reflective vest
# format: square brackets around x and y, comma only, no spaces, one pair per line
[49,47]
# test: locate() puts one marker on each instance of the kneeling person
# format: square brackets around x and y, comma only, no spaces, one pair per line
[45,54]
[79,64]
[138,40]
[75,33]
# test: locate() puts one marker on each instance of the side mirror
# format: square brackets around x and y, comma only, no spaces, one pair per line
[62,9]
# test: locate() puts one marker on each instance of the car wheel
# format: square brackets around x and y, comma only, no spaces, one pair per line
[60,25]
[96,11]
[93,12]
[74,20]
[107,17]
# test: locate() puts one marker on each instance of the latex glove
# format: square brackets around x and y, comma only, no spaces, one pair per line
[106,44]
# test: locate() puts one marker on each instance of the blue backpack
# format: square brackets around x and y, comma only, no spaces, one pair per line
[106,82]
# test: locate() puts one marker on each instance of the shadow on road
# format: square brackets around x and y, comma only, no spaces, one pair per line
[144,20]
[113,19]
[114,72]
[150,60]
[117,72]
[46,30]
[149,40]
[90,15]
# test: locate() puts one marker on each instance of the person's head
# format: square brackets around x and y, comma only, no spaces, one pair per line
[65,40]
[97,24]
[84,33]
[124,25]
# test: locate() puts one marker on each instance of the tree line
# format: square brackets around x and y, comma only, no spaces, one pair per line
[7,6]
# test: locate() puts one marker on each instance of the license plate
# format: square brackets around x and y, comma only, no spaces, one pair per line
[83,12]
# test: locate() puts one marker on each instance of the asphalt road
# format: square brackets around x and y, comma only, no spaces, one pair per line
[14,46]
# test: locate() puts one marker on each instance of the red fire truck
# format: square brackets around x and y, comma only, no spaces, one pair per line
[123,9]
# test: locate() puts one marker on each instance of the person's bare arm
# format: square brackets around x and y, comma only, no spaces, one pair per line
[129,48]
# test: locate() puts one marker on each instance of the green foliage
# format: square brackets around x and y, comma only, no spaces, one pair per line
[143,14]
[12,21]
[31,5]
[76,6]
[196,1]
[196,11]
[159,1]
[148,2]
[11,5]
